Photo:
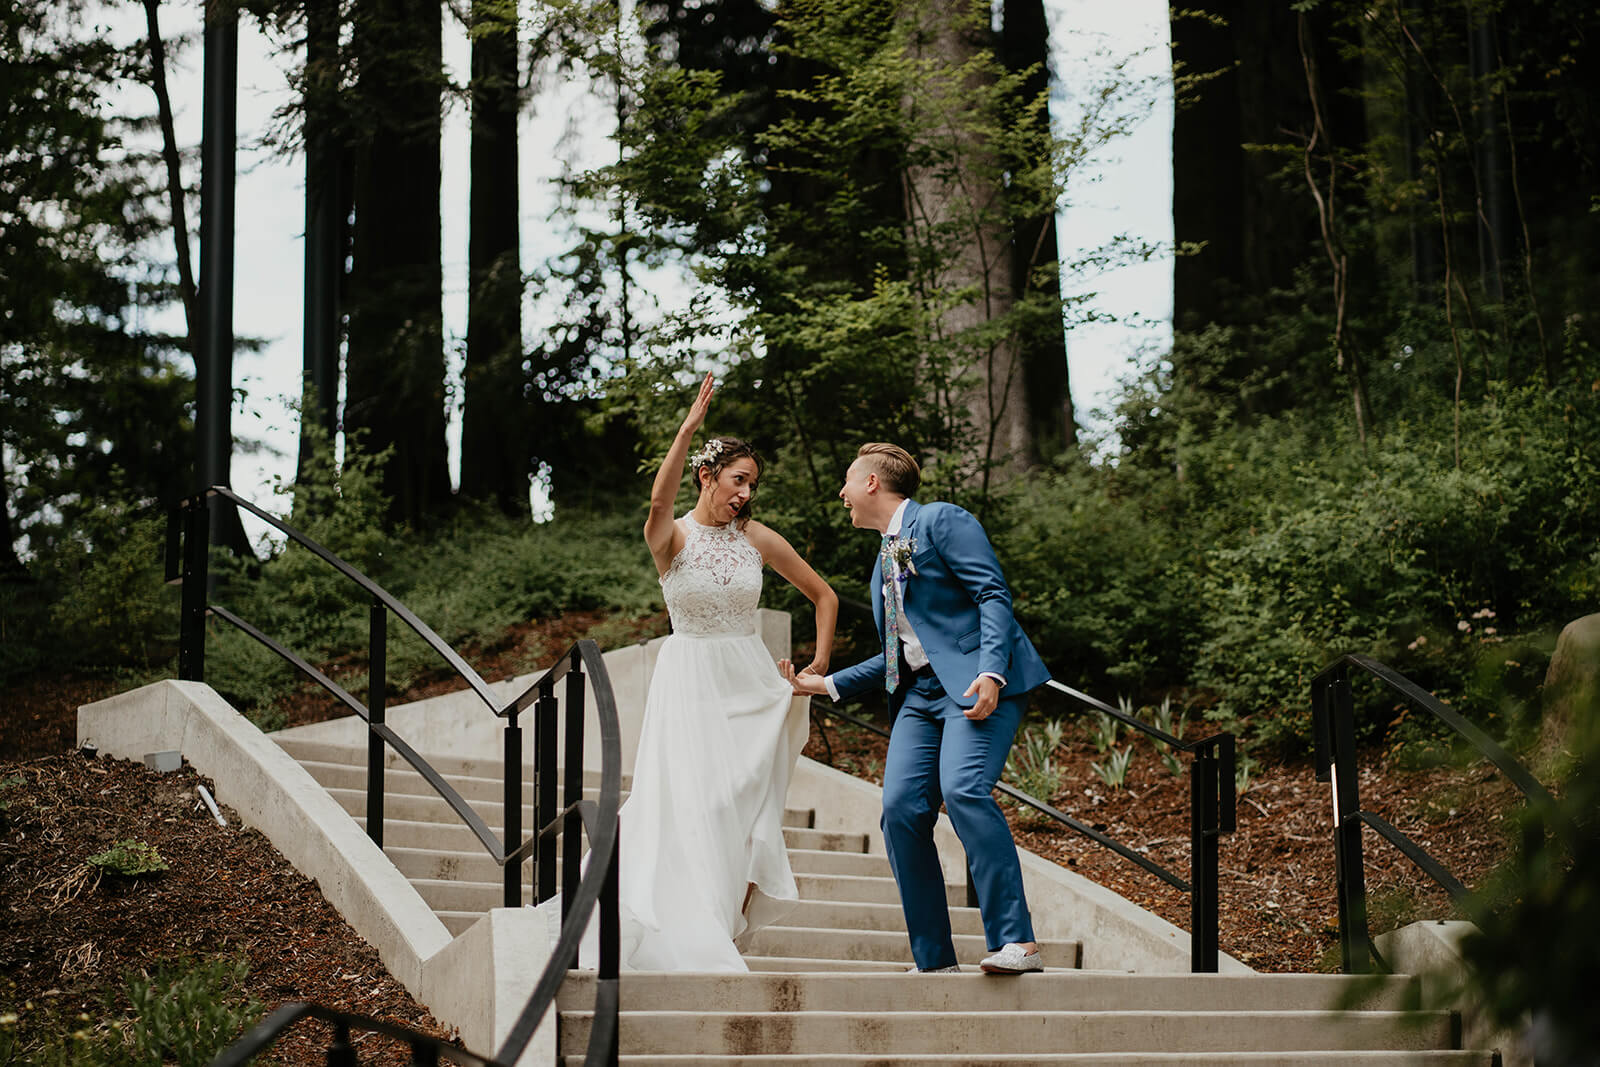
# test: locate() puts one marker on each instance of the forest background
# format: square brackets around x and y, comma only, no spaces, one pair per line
[1376,429]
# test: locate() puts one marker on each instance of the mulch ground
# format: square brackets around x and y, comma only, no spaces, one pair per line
[66,941]
[70,935]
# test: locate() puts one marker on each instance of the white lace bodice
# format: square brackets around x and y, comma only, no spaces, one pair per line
[714,584]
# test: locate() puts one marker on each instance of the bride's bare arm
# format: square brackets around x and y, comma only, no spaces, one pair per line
[782,557]
[661,533]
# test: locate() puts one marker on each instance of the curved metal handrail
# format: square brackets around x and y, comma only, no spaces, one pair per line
[1334,744]
[404,614]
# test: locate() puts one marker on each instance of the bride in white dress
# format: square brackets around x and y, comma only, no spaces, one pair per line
[703,856]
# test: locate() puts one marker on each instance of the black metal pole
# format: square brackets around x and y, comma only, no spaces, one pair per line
[572,788]
[192,605]
[610,930]
[377,704]
[1348,859]
[511,801]
[544,794]
[1203,840]
[214,365]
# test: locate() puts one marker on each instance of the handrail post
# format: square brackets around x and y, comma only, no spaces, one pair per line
[544,794]
[377,703]
[1350,866]
[192,610]
[511,873]
[1203,841]
[572,786]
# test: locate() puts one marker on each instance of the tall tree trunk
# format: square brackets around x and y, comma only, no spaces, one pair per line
[1208,170]
[395,386]
[1034,250]
[496,442]
[325,232]
[961,193]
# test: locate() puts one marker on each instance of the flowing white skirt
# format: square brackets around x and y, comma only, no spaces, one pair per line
[704,818]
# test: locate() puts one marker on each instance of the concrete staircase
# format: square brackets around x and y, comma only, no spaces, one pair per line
[828,984]
[1062,1016]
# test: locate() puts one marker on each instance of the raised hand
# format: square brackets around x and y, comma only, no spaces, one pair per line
[702,403]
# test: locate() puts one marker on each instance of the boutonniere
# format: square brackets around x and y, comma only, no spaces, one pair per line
[901,550]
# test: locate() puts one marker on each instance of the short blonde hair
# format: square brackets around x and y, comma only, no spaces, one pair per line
[894,466]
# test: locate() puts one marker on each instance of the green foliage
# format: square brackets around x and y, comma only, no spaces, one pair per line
[1031,765]
[92,402]
[469,581]
[188,1012]
[1232,557]
[184,1012]
[1533,953]
[129,858]
[98,598]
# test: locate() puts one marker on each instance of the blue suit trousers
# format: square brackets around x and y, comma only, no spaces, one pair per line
[936,754]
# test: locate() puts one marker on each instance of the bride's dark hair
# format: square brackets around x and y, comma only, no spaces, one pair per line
[716,454]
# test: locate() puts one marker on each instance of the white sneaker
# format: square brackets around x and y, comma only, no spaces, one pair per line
[1013,960]
[954,968]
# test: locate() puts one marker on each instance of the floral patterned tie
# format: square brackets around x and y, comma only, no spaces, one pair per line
[891,618]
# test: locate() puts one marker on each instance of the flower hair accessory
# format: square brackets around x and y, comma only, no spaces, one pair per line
[707,454]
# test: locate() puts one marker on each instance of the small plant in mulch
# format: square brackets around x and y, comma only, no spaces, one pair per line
[6,800]
[129,859]
[1032,766]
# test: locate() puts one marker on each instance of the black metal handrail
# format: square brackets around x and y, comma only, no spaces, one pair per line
[1334,740]
[1212,813]
[188,542]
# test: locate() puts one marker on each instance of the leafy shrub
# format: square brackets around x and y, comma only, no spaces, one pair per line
[188,1012]
[183,1012]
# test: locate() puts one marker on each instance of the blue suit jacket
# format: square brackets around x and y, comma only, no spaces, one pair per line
[960,606]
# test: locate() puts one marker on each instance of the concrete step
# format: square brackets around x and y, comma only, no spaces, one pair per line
[448,865]
[1053,990]
[457,837]
[428,806]
[824,840]
[443,895]
[790,965]
[399,782]
[805,942]
[701,1033]
[854,915]
[864,889]
[492,768]
[1312,1058]
[824,861]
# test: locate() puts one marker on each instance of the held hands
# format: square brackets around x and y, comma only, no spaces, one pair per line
[807,682]
[988,691]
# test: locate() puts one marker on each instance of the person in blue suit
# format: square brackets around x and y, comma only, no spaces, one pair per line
[957,669]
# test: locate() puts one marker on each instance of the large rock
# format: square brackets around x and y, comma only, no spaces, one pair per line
[1572,689]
